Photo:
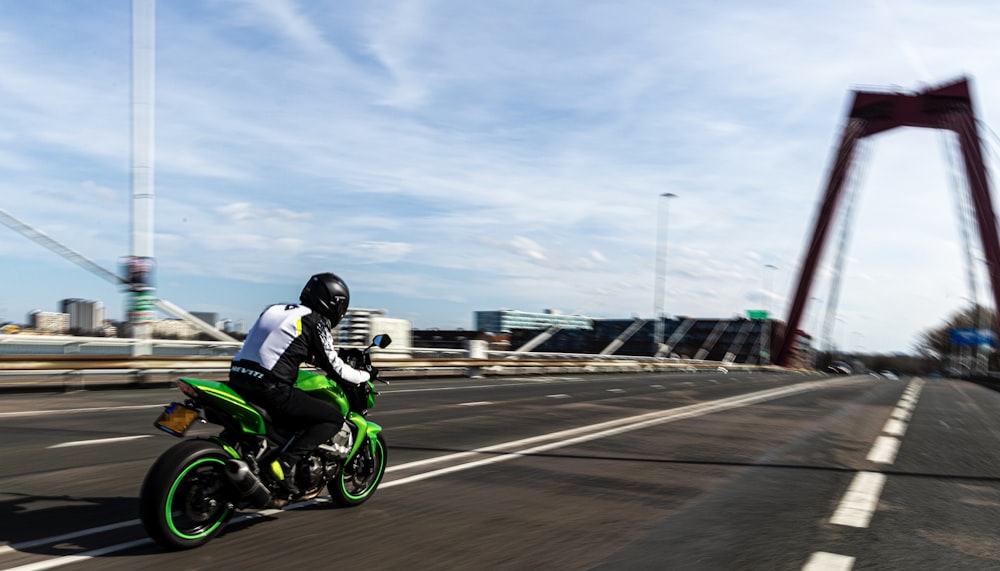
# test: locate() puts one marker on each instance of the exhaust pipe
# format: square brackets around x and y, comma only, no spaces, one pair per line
[247,483]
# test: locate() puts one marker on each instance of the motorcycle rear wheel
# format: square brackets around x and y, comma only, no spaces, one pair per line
[361,474]
[185,498]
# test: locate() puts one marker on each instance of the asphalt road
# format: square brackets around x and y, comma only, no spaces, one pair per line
[678,471]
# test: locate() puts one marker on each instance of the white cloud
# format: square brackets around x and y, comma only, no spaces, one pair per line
[382,252]
[286,19]
[102,192]
[528,248]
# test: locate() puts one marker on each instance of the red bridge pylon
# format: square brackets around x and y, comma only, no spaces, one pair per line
[944,107]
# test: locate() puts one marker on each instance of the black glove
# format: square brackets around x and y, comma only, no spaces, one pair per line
[353,357]
[372,371]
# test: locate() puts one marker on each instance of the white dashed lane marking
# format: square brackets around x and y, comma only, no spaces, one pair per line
[860,501]
[823,561]
[884,450]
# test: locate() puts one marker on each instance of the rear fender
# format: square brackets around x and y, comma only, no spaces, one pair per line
[225,400]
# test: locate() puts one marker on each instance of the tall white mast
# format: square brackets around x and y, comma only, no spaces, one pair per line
[140,266]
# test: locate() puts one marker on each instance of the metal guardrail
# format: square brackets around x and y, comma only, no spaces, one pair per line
[36,345]
[54,363]
[74,345]
[76,372]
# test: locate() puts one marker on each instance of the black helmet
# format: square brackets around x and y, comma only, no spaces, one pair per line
[327,295]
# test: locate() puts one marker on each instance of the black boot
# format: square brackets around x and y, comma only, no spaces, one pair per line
[283,473]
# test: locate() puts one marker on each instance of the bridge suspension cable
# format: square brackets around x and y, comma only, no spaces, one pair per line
[962,124]
[846,228]
[963,205]
[77,258]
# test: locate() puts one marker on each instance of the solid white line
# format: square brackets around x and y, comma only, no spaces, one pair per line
[901,414]
[455,388]
[823,561]
[67,559]
[559,396]
[885,449]
[551,381]
[477,403]
[60,538]
[859,503]
[616,390]
[59,561]
[593,432]
[99,441]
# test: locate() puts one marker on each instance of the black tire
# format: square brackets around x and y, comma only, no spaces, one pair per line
[186,497]
[361,475]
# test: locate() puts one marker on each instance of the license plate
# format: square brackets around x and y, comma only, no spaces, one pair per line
[176,419]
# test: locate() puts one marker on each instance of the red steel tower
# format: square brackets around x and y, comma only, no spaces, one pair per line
[944,107]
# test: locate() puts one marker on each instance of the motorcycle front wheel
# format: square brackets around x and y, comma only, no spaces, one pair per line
[186,497]
[361,474]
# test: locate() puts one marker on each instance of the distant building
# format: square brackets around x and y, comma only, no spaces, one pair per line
[110,329]
[444,338]
[174,329]
[356,326]
[399,330]
[508,320]
[86,317]
[458,339]
[359,326]
[49,322]
[736,340]
[211,318]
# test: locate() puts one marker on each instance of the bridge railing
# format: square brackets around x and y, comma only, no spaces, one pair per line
[77,363]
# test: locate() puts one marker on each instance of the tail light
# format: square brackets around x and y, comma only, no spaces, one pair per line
[187,389]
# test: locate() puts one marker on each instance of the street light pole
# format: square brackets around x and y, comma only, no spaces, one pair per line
[661,249]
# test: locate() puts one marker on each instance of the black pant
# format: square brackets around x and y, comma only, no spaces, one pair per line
[293,409]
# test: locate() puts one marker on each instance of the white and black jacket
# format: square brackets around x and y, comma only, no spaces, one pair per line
[284,337]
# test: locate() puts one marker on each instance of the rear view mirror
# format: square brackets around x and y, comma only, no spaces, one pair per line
[382,341]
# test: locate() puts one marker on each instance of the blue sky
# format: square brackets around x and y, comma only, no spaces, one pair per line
[450,156]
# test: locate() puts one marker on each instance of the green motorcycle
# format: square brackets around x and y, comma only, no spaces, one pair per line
[193,488]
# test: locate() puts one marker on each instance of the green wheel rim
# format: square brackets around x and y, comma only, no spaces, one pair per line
[182,480]
[377,454]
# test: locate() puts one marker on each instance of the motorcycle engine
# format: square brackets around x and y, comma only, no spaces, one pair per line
[310,473]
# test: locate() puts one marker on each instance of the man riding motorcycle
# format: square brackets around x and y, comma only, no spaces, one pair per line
[265,369]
